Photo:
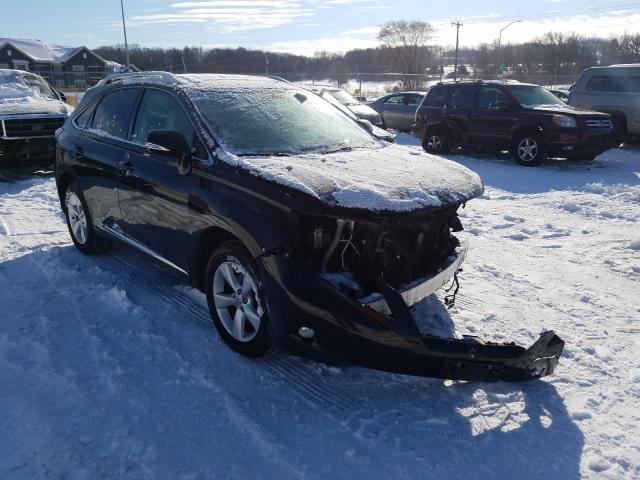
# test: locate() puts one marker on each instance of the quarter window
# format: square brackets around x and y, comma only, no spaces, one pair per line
[114,113]
[435,97]
[161,111]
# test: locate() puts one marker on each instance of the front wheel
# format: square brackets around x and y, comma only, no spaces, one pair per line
[529,149]
[236,302]
[436,142]
[80,225]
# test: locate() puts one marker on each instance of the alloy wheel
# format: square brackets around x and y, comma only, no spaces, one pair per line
[77,218]
[434,142]
[237,301]
[527,149]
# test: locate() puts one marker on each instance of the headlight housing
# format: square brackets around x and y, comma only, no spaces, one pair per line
[564,121]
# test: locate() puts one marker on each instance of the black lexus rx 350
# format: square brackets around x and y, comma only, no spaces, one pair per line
[304,230]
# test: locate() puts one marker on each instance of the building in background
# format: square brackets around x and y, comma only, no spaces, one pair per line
[62,67]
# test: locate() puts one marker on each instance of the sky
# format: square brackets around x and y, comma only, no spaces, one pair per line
[304,26]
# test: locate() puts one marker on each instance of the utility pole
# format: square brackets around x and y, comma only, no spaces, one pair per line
[126,43]
[455,67]
[266,65]
[498,47]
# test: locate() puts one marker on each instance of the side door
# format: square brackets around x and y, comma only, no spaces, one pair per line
[492,119]
[459,109]
[98,150]
[392,111]
[411,103]
[154,200]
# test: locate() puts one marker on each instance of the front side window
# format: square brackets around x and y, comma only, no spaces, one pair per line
[414,100]
[277,120]
[114,113]
[533,96]
[395,100]
[161,111]
[463,96]
[491,98]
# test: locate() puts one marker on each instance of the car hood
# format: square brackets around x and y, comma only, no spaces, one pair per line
[389,178]
[11,107]
[568,109]
[363,111]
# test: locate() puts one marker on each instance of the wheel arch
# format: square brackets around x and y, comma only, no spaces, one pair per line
[208,240]
[525,129]
[62,183]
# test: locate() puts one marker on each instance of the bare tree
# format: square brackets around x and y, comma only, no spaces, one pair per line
[408,42]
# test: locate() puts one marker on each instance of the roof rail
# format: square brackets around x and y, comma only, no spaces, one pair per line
[119,77]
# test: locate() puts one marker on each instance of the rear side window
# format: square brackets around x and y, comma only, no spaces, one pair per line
[414,100]
[603,83]
[114,113]
[435,97]
[161,111]
[463,96]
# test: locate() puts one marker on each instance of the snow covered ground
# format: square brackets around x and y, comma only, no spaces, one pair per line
[110,368]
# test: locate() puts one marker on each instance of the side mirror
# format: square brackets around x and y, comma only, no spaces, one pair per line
[366,124]
[171,144]
[63,97]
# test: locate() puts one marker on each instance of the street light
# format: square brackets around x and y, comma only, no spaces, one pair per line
[499,42]
[126,44]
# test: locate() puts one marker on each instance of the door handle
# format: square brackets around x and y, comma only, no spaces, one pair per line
[126,166]
[79,151]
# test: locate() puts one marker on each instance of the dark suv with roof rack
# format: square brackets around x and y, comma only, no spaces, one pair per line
[525,119]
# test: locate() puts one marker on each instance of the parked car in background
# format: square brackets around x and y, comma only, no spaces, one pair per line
[345,98]
[561,94]
[30,113]
[303,230]
[614,90]
[398,110]
[528,120]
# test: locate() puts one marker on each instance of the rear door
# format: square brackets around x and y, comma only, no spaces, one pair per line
[393,110]
[154,200]
[492,119]
[98,151]
[459,109]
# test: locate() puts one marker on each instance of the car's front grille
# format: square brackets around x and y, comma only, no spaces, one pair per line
[597,123]
[33,127]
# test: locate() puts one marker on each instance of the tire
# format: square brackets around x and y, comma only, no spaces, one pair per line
[436,142]
[238,312]
[529,149]
[80,225]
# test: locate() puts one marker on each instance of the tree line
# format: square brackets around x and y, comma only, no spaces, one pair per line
[404,48]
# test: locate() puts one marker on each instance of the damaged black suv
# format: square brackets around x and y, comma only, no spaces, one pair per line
[303,230]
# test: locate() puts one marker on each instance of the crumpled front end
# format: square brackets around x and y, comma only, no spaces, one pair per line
[344,295]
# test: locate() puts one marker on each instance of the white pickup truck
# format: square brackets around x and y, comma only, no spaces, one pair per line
[30,113]
[614,90]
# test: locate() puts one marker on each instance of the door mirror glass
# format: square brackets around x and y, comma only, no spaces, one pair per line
[173,145]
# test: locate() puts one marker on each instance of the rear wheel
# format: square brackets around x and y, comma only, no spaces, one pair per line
[529,149]
[436,142]
[236,301]
[80,225]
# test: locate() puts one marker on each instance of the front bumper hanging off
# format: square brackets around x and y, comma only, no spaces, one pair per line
[471,358]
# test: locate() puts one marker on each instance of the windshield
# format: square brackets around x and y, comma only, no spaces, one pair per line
[344,97]
[532,96]
[278,121]
[14,85]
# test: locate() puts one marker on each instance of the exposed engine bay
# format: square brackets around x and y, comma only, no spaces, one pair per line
[398,251]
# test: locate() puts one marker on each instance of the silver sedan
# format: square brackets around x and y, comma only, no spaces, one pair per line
[398,109]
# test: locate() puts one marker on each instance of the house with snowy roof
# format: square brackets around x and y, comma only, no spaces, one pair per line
[61,66]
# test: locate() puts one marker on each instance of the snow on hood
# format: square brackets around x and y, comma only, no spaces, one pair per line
[389,178]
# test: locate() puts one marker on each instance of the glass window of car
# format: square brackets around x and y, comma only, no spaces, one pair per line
[414,100]
[533,96]
[161,111]
[114,113]
[395,100]
[344,97]
[463,96]
[435,97]
[40,86]
[603,83]
[491,98]
[283,120]
[82,119]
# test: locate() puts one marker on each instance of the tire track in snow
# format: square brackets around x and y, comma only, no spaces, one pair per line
[307,385]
